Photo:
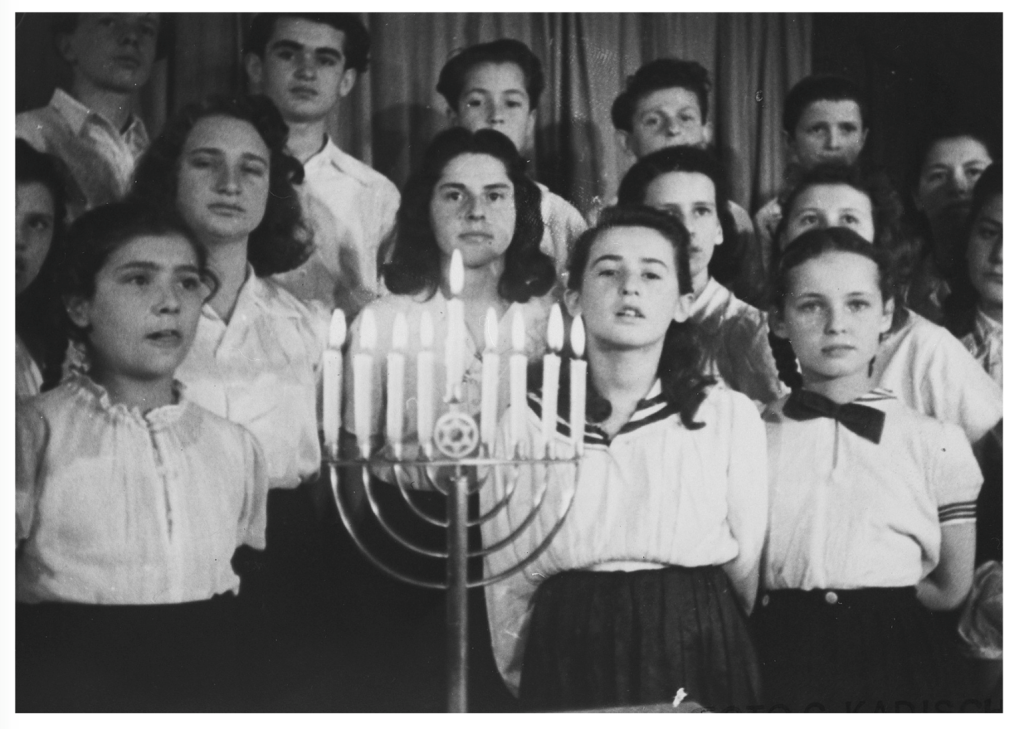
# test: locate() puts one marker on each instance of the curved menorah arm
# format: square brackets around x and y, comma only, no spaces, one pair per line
[350,528]
[396,470]
[375,507]
[493,512]
[536,552]
[538,501]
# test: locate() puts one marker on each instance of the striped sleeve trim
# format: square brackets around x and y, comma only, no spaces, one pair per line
[961,511]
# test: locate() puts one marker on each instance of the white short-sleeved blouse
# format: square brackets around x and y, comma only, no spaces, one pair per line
[262,370]
[117,507]
[656,493]
[847,513]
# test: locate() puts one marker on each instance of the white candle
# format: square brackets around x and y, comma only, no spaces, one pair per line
[517,378]
[489,384]
[425,385]
[362,372]
[549,396]
[332,372]
[578,384]
[396,383]
[455,342]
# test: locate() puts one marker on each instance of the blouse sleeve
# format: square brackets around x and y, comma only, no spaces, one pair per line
[252,522]
[955,477]
[747,497]
[959,390]
[31,435]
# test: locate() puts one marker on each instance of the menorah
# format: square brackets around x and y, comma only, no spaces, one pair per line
[455,456]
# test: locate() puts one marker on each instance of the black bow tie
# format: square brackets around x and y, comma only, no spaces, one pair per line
[863,420]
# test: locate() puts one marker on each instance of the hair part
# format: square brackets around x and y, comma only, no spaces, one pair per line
[683,354]
[820,87]
[727,259]
[663,73]
[452,81]
[356,46]
[415,265]
[282,241]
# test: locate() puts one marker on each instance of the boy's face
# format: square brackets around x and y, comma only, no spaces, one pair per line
[829,131]
[112,51]
[666,118]
[494,96]
[302,69]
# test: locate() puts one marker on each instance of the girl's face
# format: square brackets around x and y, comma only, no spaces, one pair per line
[829,206]
[948,175]
[223,179]
[985,253]
[142,317]
[33,231]
[690,197]
[473,209]
[834,316]
[629,292]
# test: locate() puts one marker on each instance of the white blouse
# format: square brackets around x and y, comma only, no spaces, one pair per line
[985,343]
[737,337]
[117,507]
[262,370]
[657,493]
[928,369]
[846,513]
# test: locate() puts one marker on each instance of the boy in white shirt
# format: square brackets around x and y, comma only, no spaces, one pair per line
[91,127]
[497,85]
[305,63]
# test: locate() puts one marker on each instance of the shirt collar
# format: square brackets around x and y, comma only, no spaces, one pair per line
[986,324]
[256,296]
[78,114]
[163,416]
[714,296]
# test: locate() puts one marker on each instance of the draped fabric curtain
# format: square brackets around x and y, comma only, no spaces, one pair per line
[394,111]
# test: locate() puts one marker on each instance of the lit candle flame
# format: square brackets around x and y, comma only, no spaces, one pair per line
[491,329]
[518,330]
[426,330]
[400,332]
[556,333]
[577,336]
[456,273]
[368,331]
[338,330]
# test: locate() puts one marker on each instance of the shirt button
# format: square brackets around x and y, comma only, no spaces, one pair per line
[831,598]
[764,601]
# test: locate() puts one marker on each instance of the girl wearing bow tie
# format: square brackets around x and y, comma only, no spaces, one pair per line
[871,504]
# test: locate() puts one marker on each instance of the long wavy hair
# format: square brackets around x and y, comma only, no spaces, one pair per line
[726,260]
[808,246]
[960,306]
[415,265]
[680,365]
[38,313]
[282,241]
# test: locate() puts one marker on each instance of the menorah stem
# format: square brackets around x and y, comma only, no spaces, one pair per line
[457,594]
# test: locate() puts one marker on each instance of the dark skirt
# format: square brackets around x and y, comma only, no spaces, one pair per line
[603,639]
[138,658]
[847,650]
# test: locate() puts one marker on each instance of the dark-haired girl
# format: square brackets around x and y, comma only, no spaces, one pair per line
[688,183]
[39,238]
[471,195]
[871,504]
[643,591]
[919,361]
[130,499]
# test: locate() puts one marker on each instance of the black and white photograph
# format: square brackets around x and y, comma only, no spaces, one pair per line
[507,362]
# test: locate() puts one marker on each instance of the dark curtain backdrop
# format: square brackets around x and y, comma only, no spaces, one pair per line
[394,111]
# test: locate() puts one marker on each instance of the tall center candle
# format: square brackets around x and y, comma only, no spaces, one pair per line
[578,384]
[489,383]
[425,386]
[332,374]
[396,384]
[362,374]
[517,378]
[455,342]
[549,397]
